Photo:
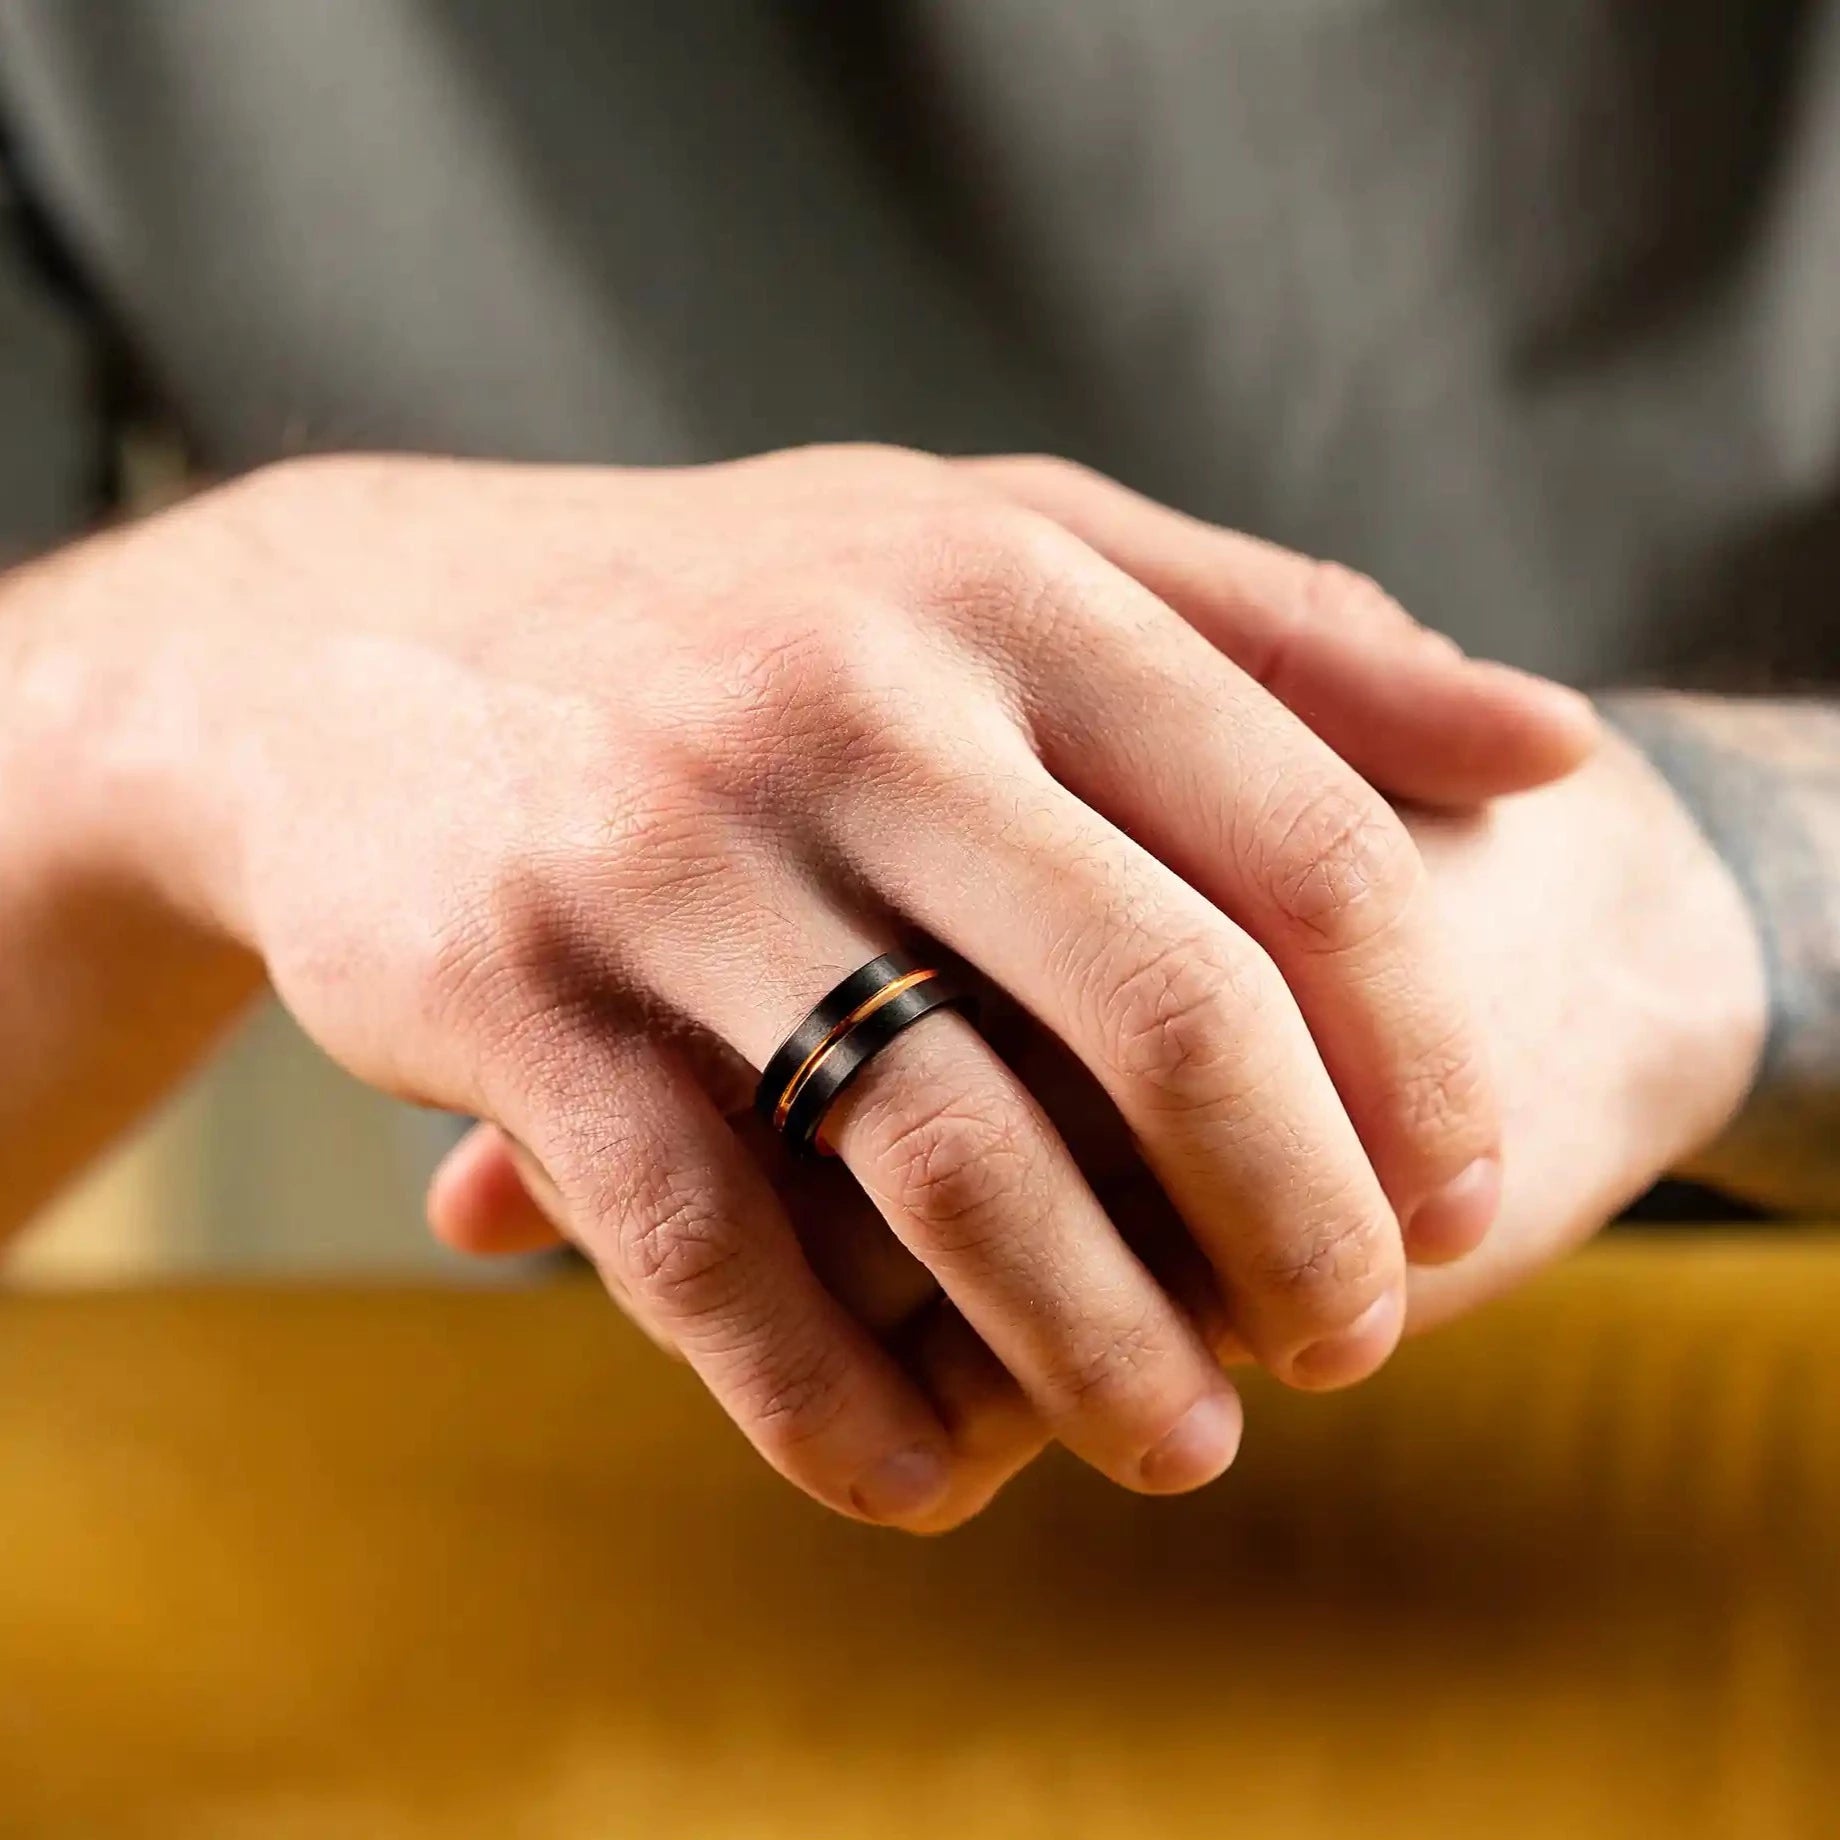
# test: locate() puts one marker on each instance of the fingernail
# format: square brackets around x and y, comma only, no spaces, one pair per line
[1202,1444]
[903,1485]
[1454,1220]
[1356,1351]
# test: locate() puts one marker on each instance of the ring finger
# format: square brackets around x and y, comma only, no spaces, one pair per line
[971,1177]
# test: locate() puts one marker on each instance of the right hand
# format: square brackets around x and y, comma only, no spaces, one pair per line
[559,796]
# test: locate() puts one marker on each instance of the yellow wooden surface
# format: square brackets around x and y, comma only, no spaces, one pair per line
[316,1563]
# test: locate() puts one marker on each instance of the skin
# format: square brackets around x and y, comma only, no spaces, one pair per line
[1616,965]
[1762,779]
[557,796]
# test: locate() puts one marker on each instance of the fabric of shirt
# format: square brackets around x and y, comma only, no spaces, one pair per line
[1532,311]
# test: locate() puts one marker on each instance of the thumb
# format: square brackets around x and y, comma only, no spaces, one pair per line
[490,1198]
[481,1203]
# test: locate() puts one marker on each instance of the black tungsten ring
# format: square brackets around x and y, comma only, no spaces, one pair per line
[853,1024]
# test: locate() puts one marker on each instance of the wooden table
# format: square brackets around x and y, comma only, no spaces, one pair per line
[316,1563]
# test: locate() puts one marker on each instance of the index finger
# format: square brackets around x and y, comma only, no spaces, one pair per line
[1398,701]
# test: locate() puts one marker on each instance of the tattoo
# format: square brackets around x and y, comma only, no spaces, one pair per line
[1762,779]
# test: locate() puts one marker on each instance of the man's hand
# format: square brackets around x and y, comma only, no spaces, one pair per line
[538,793]
[1618,969]
[1608,952]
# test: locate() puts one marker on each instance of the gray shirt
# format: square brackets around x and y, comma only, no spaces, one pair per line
[1531,310]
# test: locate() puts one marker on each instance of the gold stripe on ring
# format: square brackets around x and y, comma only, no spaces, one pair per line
[810,1064]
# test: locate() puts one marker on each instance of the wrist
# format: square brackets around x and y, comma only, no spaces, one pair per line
[1700,977]
[1761,778]
[109,989]
[107,731]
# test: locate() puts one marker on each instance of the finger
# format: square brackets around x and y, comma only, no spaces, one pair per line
[996,1433]
[490,1198]
[1193,1035]
[479,1204]
[1399,702]
[968,1174]
[972,1179]
[1155,1231]
[960,1163]
[994,1430]
[1109,1158]
[1259,816]
[661,1198]
[846,1242]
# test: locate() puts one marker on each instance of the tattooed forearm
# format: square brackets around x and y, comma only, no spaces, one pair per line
[1763,781]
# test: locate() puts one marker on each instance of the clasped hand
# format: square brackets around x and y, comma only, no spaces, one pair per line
[557,796]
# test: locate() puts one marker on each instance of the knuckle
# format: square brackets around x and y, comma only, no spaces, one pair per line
[1340,596]
[978,530]
[970,783]
[670,1244]
[1000,567]
[815,700]
[1445,1093]
[961,1165]
[1043,478]
[1104,1376]
[548,909]
[658,838]
[503,952]
[1173,1022]
[785,664]
[794,1401]
[1336,863]
[1312,1272]
[832,726]
[782,677]
[523,975]
[887,461]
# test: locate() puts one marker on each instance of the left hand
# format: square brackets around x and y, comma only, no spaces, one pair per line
[1602,943]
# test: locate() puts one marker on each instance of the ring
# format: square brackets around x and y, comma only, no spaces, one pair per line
[841,1036]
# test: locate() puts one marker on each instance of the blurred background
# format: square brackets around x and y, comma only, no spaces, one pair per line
[272,1162]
